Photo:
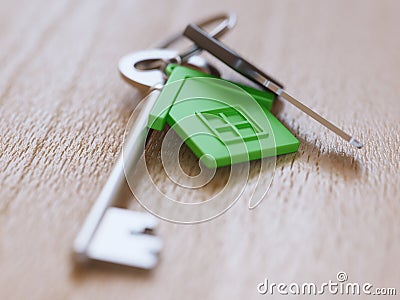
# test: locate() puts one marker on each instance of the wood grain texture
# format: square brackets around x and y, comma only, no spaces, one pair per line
[63,113]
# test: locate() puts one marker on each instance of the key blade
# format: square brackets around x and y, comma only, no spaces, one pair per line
[121,239]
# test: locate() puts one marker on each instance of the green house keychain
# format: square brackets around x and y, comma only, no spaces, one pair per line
[220,121]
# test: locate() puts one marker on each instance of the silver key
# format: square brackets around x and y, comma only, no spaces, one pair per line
[118,235]
[242,66]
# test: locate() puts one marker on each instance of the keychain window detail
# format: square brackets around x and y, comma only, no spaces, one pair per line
[231,125]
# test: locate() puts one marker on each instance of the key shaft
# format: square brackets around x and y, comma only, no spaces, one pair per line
[116,184]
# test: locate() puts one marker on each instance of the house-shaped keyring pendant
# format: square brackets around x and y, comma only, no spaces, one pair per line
[222,122]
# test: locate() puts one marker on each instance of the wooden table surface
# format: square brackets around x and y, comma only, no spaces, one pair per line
[64,109]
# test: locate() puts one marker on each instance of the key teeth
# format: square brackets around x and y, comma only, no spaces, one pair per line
[121,238]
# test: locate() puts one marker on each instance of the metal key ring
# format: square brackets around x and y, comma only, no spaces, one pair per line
[226,22]
[142,68]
